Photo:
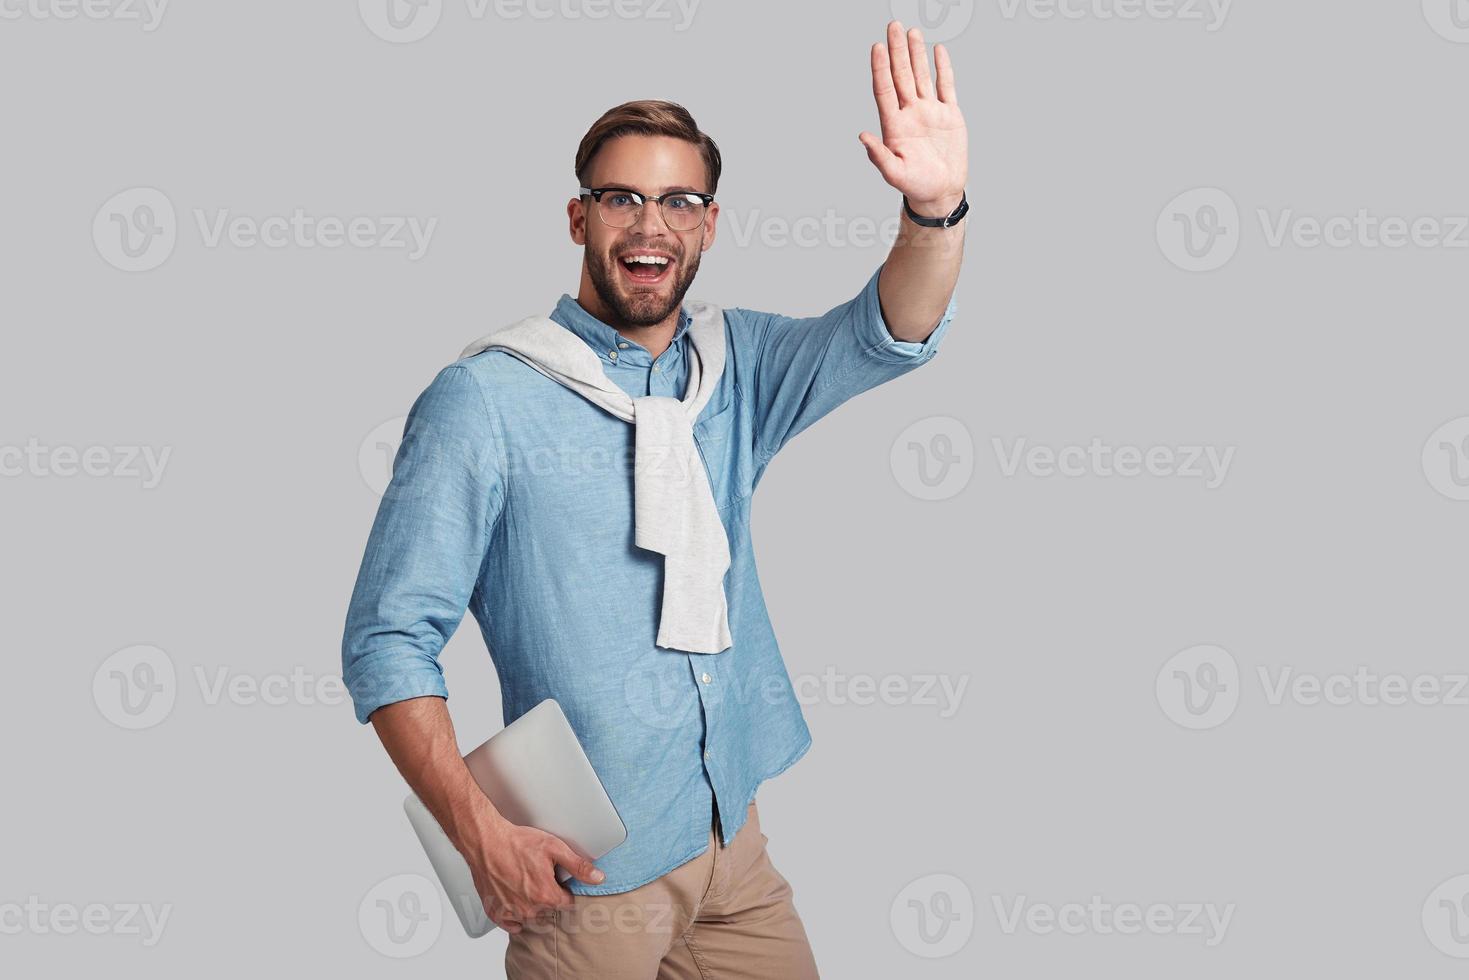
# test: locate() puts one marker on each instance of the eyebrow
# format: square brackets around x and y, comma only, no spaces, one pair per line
[677,189]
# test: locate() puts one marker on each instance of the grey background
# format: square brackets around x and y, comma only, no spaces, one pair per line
[1059,599]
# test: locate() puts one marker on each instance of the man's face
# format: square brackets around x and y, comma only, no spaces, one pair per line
[638,294]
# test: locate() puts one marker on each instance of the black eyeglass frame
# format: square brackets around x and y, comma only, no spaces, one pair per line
[642,199]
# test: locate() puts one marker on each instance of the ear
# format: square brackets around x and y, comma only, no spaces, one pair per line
[710,225]
[576,214]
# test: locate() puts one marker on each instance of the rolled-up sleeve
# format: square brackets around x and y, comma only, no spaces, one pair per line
[426,546]
[808,366]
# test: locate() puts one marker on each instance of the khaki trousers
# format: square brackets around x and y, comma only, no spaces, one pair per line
[724,915]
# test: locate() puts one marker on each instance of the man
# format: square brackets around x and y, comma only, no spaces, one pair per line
[513,496]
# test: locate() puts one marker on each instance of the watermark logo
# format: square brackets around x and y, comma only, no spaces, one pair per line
[660,694]
[1446,917]
[1450,18]
[135,230]
[940,20]
[1199,230]
[933,459]
[933,916]
[401,916]
[1446,459]
[375,455]
[401,21]
[1199,688]
[135,687]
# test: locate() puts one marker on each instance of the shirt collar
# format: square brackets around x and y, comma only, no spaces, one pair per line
[604,339]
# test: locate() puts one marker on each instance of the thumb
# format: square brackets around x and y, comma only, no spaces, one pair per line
[581,868]
[886,162]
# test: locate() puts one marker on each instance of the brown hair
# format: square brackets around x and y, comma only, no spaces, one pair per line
[648,117]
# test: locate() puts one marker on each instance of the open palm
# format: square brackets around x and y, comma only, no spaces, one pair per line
[924,150]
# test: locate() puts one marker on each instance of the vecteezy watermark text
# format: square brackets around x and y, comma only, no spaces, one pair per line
[302,230]
[1362,687]
[934,916]
[1211,13]
[1207,463]
[142,463]
[1102,918]
[147,13]
[406,21]
[40,918]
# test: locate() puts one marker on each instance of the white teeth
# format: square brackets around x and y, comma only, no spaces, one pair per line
[647,259]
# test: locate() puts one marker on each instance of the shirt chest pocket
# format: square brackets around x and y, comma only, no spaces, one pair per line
[720,442]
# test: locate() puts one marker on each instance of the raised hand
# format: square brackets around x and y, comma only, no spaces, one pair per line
[924,150]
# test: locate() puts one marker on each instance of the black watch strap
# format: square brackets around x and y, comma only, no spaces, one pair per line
[953,218]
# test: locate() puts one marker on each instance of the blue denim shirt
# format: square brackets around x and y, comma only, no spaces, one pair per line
[512,497]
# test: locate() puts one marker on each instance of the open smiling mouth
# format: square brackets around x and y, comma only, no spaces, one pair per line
[646,268]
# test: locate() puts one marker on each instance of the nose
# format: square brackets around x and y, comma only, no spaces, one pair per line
[650,221]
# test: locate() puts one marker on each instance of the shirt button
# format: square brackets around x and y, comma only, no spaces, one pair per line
[657,368]
[612,354]
[706,678]
[706,753]
[623,346]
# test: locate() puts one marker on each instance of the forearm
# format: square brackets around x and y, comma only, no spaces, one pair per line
[921,272]
[419,737]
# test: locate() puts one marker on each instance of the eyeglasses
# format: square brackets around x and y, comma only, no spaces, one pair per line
[619,207]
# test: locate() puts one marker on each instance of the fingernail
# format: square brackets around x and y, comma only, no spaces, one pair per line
[597,875]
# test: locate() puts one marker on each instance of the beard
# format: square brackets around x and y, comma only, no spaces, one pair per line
[640,307]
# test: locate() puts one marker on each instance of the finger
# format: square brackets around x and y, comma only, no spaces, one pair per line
[946,75]
[580,867]
[882,158]
[902,66]
[918,55]
[882,84]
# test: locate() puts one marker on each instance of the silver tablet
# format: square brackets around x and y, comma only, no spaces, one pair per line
[535,772]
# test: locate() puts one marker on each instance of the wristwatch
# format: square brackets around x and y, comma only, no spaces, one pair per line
[953,218]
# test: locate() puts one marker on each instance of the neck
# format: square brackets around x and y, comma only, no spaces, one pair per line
[654,337]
